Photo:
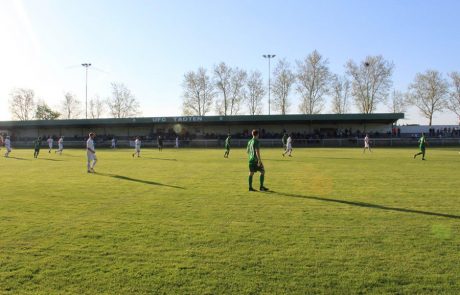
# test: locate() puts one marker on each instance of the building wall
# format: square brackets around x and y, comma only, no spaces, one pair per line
[425,128]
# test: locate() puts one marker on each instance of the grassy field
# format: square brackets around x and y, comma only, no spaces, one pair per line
[336,222]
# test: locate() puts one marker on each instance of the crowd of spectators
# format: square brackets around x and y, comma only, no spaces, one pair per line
[444,132]
[347,133]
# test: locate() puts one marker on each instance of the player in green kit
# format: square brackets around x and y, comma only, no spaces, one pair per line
[227,146]
[255,162]
[284,141]
[37,144]
[422,145]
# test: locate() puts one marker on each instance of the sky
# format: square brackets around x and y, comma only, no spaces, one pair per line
[150,45]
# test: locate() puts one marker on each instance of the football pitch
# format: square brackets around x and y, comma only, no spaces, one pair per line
[336,221]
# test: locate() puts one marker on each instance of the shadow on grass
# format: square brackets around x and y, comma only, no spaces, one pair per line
[162,159]
[137,180]
[45,159]
[367,205]
[16,158]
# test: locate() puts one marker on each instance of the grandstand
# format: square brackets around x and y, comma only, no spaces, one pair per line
[208,130]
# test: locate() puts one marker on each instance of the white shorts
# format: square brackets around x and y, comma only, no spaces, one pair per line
[138,149]
[61,147]
[8,149]
[91,156]
[366,145]
[289,147]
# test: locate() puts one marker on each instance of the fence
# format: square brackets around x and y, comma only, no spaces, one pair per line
[216,143]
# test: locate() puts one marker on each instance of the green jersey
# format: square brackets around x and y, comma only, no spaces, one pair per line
[227,142]
[253,145]
[422,142]
[37,144]
[284,139]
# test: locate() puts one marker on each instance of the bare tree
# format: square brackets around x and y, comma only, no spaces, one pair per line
[312,82]
[71,106]
[22,103]
[122,104]
[398,102]
[255,93]
[96,107]
[340,91]
[199,93]
[237,93]
[230,83]
[223,77]
[371,82]
[454,97]
[429,93]
[283,80]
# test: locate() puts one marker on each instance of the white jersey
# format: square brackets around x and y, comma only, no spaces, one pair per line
[90,145]
[366,141]
[289,143]
[61,143]
[50,142]
[7,143]
[137,144]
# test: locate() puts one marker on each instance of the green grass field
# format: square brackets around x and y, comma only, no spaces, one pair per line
[336,222]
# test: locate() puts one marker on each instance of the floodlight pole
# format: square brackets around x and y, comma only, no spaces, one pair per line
[86,65]
[269,57]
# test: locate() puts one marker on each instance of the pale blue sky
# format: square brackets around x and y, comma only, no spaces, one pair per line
[149,45]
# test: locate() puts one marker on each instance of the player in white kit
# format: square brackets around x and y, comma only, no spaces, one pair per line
[60,145]
[7,146]
[288,146]
[137,147]
[50,142]
[177,142]
[91,153]
[367,144]
[114,143]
